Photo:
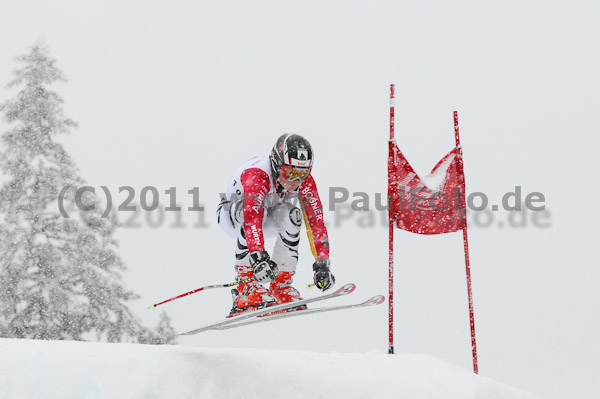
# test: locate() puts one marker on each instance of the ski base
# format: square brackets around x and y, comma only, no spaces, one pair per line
[345,290]
[376,300]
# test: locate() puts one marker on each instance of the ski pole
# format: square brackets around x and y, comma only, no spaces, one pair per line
[153,307]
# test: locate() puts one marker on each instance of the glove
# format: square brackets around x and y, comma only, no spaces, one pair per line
[323,278]
[264,268]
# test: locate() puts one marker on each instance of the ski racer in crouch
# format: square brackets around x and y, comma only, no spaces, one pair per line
[260,202]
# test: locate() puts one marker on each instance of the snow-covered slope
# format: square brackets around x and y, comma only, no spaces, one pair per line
[60,369]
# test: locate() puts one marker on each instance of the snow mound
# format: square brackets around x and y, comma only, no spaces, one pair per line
[62,369]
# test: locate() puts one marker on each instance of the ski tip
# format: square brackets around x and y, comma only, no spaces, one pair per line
[376,300]
[346,289]
[152,307]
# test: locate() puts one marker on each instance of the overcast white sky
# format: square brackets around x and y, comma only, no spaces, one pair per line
[181,94]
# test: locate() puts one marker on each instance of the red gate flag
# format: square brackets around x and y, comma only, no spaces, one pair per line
[434,207]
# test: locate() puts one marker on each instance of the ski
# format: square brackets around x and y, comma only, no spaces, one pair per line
[345,290]
[376,300]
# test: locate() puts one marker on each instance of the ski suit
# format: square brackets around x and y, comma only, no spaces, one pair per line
[252,210]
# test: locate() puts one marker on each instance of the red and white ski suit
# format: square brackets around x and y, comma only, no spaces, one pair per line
[252,210]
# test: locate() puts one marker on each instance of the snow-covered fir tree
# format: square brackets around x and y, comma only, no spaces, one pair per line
[60,278]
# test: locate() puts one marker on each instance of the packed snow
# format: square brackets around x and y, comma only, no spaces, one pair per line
[69,369]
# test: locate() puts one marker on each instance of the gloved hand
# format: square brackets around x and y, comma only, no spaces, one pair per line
[264,268]
[323,278]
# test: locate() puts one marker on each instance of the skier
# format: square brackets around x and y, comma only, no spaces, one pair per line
[260,202]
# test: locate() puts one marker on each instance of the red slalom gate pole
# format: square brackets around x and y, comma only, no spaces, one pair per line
[391,182]
[467,263]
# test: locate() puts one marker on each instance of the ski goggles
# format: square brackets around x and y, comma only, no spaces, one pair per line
[292,173]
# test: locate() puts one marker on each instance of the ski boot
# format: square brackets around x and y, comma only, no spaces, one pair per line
[249,295]
[283,290]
